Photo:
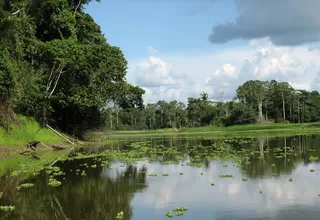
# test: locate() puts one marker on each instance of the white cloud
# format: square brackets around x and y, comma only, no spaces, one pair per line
[179,76]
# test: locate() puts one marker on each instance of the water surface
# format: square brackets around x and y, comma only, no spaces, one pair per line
[279,182]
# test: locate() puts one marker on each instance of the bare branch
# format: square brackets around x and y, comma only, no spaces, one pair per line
[14,13]
[76,9]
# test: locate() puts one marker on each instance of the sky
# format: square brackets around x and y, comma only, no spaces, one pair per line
[179,48]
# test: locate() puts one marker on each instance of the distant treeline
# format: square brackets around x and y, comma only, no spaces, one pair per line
[255,102]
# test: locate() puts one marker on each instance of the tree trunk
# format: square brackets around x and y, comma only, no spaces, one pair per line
[260,115]
[283,108]
[290,113]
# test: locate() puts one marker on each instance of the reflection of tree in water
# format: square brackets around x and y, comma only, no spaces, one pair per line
[95,196]
[294,151]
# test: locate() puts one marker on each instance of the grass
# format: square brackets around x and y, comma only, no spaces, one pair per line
[27,131]
[240,130]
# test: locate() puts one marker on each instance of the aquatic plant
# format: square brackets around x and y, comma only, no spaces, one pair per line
[181,209]
[152,174]
[225,165]
[290,180]
[244,179]
[273,165]
[260,191]
[9,208]
[312,170]
[25,185]
[179,213]
[120,215]
[225,176]
[212,184]
[165,174]
[313,158]
[83,173]
[180,173]
[169,214]
[94,166]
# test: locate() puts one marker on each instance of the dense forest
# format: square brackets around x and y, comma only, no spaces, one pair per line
[57,66]
[255,102]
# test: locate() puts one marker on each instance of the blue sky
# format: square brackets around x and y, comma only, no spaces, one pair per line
[168,25]
[179,48]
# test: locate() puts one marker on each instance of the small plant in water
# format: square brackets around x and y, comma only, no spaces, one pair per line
[225,176]
[224,165]
[8,208]
[153,174]
[212,184]
[201,173]
[290,180]
[165,174]
[169,214]
[260,191]
[180,173]
[312,170]
[244,179]
[120,215]
[83,173]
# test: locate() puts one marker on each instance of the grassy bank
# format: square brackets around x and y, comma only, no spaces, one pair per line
[19,135]
[256,128]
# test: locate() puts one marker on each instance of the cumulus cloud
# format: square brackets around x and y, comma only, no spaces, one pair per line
[294,65]
[154,72]
[284,22]
[179,76]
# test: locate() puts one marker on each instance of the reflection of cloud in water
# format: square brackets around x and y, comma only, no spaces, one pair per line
[230,194]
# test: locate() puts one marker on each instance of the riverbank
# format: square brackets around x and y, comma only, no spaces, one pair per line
[215,130]
[15,138]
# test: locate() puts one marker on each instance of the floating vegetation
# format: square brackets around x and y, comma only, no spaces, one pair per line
[274,174]
[165,174]
[244,179]
[273,165]
[312,170]
[179,213]
[225,165]
[152,174]
[83,173]
[169,214]
[181,209]
[120,215]
[180,173]
[313,158]
[212,184]
[225,176]
[290,180]
[94,166]
[9,208]
[54,182]
[201,173]
[260,191]
[170,162]
[25,186]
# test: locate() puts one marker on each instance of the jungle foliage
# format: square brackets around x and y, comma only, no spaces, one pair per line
[56,66]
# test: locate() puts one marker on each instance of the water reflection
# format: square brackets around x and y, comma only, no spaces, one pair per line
[107,190]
